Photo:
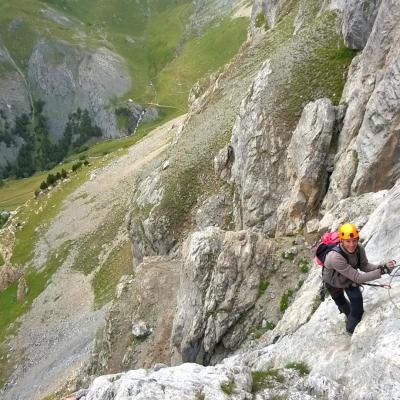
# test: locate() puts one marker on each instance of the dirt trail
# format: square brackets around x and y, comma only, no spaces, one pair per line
[56,337]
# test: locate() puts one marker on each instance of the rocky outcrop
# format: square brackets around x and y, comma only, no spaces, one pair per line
[148,231]
[67,77]
[358,21]
[173,383]
[220,283]
[309,339]
[368,147]
[309,164]
[357,209]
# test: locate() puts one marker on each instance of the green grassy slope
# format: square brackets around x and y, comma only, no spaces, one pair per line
[147,34]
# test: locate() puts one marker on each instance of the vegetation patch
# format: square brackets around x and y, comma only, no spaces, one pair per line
[303,265]
[187,180]
[300,367]
[322,61]
[118,263]
[300,283]
[263,286]
[316,304]
[10,308]
[261,21]
[285,299]
[91,247]
[200,56]
[266,379]
[228,387]
[259,331]
[39,212]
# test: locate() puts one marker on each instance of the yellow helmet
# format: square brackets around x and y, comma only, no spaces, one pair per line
[348,231]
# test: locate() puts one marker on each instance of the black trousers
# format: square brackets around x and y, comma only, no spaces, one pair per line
[353,308]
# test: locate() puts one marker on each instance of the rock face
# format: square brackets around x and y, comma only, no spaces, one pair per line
[312,340]
[358,20]
[67,77]
[220,283]
[368,147]
[308,164]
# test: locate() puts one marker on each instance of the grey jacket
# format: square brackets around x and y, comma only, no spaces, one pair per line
[341,274]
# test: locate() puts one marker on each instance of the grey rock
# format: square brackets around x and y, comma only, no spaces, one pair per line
[358,21]
[184,382]
[68,77]
[216,210]
[148,231]
[56,17]
[354,209]
[15,24]
[140,329]
[307,165]
[223,163]
[368,147]
[219,284]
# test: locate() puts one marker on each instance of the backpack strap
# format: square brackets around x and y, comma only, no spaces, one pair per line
[339,250]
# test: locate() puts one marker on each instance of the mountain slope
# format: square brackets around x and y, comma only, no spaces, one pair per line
[107,58]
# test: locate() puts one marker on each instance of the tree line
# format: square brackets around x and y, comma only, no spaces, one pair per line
[39,152]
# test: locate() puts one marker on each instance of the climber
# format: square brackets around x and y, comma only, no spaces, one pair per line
[340,274]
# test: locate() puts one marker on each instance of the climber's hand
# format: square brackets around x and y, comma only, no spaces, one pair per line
[388,267]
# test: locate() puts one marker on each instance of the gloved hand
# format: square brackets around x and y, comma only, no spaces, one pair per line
[388,267]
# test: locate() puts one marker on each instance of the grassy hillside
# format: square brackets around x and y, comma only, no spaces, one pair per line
[147,34]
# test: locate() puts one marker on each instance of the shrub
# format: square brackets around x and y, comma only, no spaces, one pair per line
[259,331]
[51,180]
[300,283]
[262,287]
[76,166]
[303,265]
[4,215]
[43,186]
[64,173]
[301,367]
[261,21]
[263,379]
[284,303]
[228,387]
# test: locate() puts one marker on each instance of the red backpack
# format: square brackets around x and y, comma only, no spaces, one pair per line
[329,242]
